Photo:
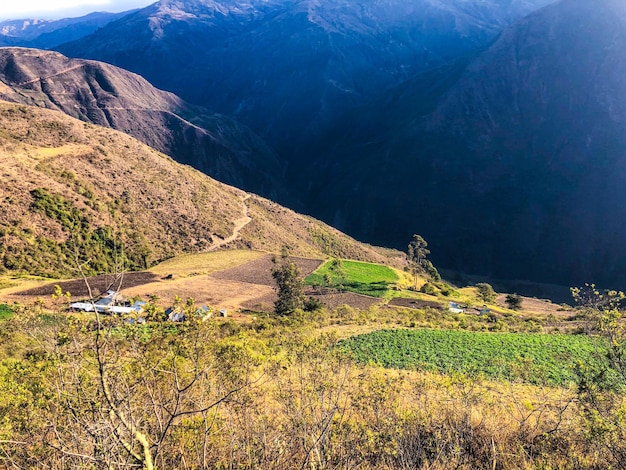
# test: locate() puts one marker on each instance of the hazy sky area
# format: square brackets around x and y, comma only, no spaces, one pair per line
[55,9]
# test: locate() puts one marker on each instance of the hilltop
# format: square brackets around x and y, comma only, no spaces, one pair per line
[78,193]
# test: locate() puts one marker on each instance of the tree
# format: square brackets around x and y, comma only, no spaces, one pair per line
[289,287]
[338,273]
[416,255]
[514,301]
[486,292]
[602,383]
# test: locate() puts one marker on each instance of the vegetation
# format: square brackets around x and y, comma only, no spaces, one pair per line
[514,301]
[289,287]
[486,292]
[602,384]
[533,358]
[267,393]
[370,279]
[6,312]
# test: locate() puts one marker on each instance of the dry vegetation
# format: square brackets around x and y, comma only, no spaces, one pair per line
[68,183]
[269,393]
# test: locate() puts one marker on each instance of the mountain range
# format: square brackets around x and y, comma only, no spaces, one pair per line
[287,67]
[109,96]
[45,34]
[75,192]
[495,129]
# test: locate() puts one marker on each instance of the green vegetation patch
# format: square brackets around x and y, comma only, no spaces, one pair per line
[370,279]
[6,312]
[534,358]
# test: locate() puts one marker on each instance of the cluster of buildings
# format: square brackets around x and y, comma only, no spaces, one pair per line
[114,304]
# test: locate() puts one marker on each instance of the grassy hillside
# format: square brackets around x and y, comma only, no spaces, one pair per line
[78,193]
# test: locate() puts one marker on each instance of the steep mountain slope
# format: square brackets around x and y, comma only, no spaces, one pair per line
[112,97]
[74,193]
[45,34]
[517,169]
[286,67]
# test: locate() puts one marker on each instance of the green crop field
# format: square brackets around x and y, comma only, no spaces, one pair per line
[6,312]
[533,358]
[354,276]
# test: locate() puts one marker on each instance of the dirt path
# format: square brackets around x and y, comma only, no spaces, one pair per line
[39,79]
[239,225]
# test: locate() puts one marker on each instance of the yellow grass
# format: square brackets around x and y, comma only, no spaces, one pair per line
[205,263]
[69,149]
[10,285]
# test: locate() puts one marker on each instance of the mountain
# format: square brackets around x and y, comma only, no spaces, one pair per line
[106,95]
[287,67]
[73,191]
[511,164]
[45,34]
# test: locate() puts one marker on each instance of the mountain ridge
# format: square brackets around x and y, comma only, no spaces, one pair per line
[75,190]
[285,68]
[107,95]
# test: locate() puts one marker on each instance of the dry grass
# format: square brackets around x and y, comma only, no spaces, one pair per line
[162,208]
[205,263]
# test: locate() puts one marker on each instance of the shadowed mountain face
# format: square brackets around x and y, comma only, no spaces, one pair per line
[106,95]
[513,165]
[288,67]
[509,161]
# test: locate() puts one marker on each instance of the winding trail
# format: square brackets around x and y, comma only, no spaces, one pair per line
[239,226]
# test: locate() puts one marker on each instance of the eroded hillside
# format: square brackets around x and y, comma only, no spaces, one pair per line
[75,193]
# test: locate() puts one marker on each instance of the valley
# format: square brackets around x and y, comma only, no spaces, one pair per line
[494,134]
[169,300]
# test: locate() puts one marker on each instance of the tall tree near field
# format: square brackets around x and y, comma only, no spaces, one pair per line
[416,255]
[514,301]
[289,287]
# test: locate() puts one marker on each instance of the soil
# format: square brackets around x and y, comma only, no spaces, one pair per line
[330,300]
[415,303]
[260,271]
[538,307]
[99,285]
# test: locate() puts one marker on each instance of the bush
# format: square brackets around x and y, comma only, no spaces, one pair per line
[311,305]
[514,301]
[428,288]
[486,292]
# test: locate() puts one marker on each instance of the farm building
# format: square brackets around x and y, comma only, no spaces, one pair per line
[455,308]
[111,303]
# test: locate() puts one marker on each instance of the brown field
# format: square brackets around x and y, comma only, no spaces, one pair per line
[415,303]
[330,300]
[538,307]
[219,294]
[259,271]
[98,284]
